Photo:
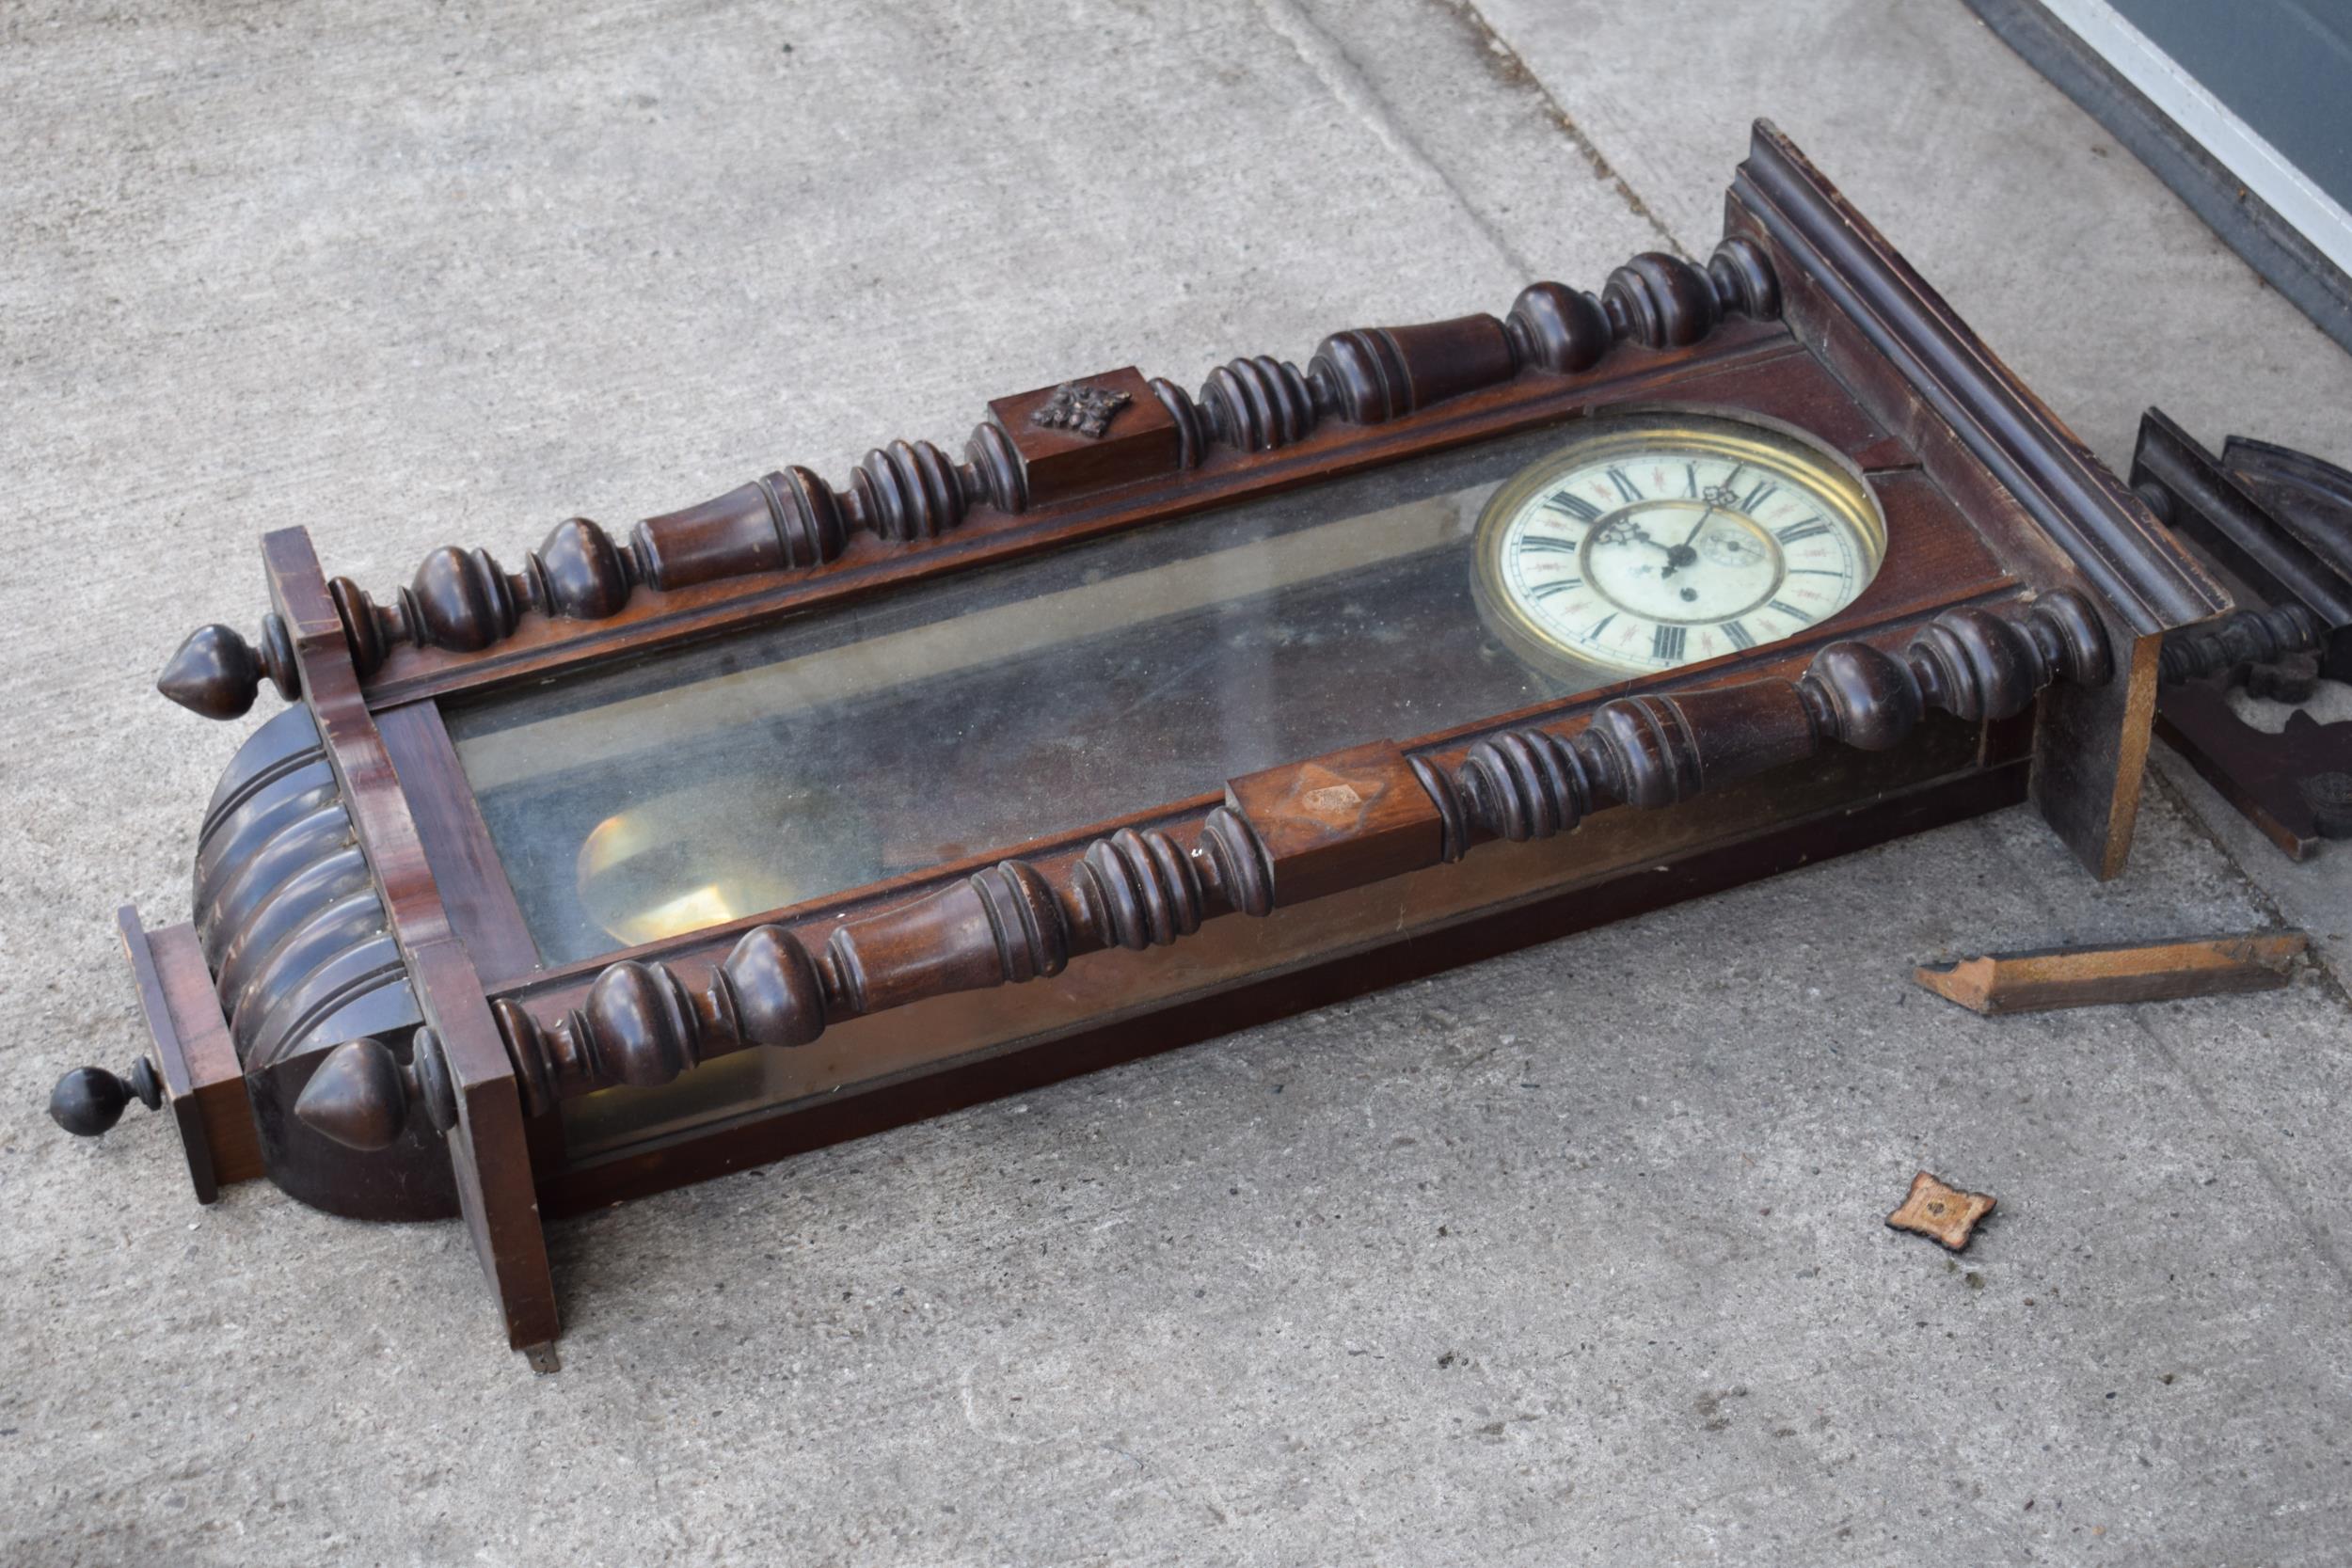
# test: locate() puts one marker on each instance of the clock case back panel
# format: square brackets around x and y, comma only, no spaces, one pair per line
[1990,503]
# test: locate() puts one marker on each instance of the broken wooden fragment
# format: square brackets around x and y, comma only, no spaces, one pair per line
[2050,977]
[1939,1213]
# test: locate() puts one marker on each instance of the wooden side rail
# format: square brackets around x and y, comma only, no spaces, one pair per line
[1035,449]
[1283,837]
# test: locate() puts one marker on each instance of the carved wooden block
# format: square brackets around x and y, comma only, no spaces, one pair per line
[1340,821]
[1086,434]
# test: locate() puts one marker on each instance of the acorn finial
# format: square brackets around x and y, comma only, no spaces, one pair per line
[361,1094]
[216,673]
[88,1100]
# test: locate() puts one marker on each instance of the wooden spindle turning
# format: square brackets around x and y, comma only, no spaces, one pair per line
[2246,637]
[1285,836]
[1653,751]
[1033,450]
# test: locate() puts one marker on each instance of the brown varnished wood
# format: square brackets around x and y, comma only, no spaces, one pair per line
[197,1058]
[1339,821]
[1290,835]
[1040,438]
[1934,562]
[1931,569]
[171,1056]
[1935,559]
[462,602]
[2115,544]
[1658,751]
[1650,872]
[487,1149]
[2053,511]
[474,892]
[1910,706]
[218,1086]
[865,566]
[2093,741]
[2043,979]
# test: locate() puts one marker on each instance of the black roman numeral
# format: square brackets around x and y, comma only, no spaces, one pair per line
[1625,485]
[1575,506]
[1666,643]
[1764,491]
[1546,590]
[1533,544]
[1813,572]
[1739,634]
[1691,480]
[1795,531]
[1791,612]
[1602,625]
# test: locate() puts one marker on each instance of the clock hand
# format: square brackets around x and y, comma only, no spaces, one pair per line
[1682,554]
[1627,532]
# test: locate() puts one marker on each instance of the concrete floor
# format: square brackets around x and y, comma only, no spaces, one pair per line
[1574,1257]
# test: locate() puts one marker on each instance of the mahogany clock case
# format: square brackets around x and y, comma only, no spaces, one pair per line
[940,792]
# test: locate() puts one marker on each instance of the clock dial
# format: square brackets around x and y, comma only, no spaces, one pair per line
[1657,540]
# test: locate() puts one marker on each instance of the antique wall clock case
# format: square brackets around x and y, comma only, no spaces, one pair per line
[820,807]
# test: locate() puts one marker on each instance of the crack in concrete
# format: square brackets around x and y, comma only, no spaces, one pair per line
[1346,82]
[1514,72]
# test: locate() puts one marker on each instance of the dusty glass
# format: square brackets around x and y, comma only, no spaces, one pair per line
[845,746]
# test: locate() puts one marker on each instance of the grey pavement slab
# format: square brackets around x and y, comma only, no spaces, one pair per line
[1571,1257]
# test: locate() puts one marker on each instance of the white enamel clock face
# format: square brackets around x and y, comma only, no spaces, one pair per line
[1657,540]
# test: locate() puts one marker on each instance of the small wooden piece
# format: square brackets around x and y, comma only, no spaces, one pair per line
[203,1081]
[1080,435]
[1940,1213]
[2048,979]
[1340,821]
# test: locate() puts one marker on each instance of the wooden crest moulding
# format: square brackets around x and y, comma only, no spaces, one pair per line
[565,883]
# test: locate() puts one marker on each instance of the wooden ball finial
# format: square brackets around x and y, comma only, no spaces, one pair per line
[88,1100]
